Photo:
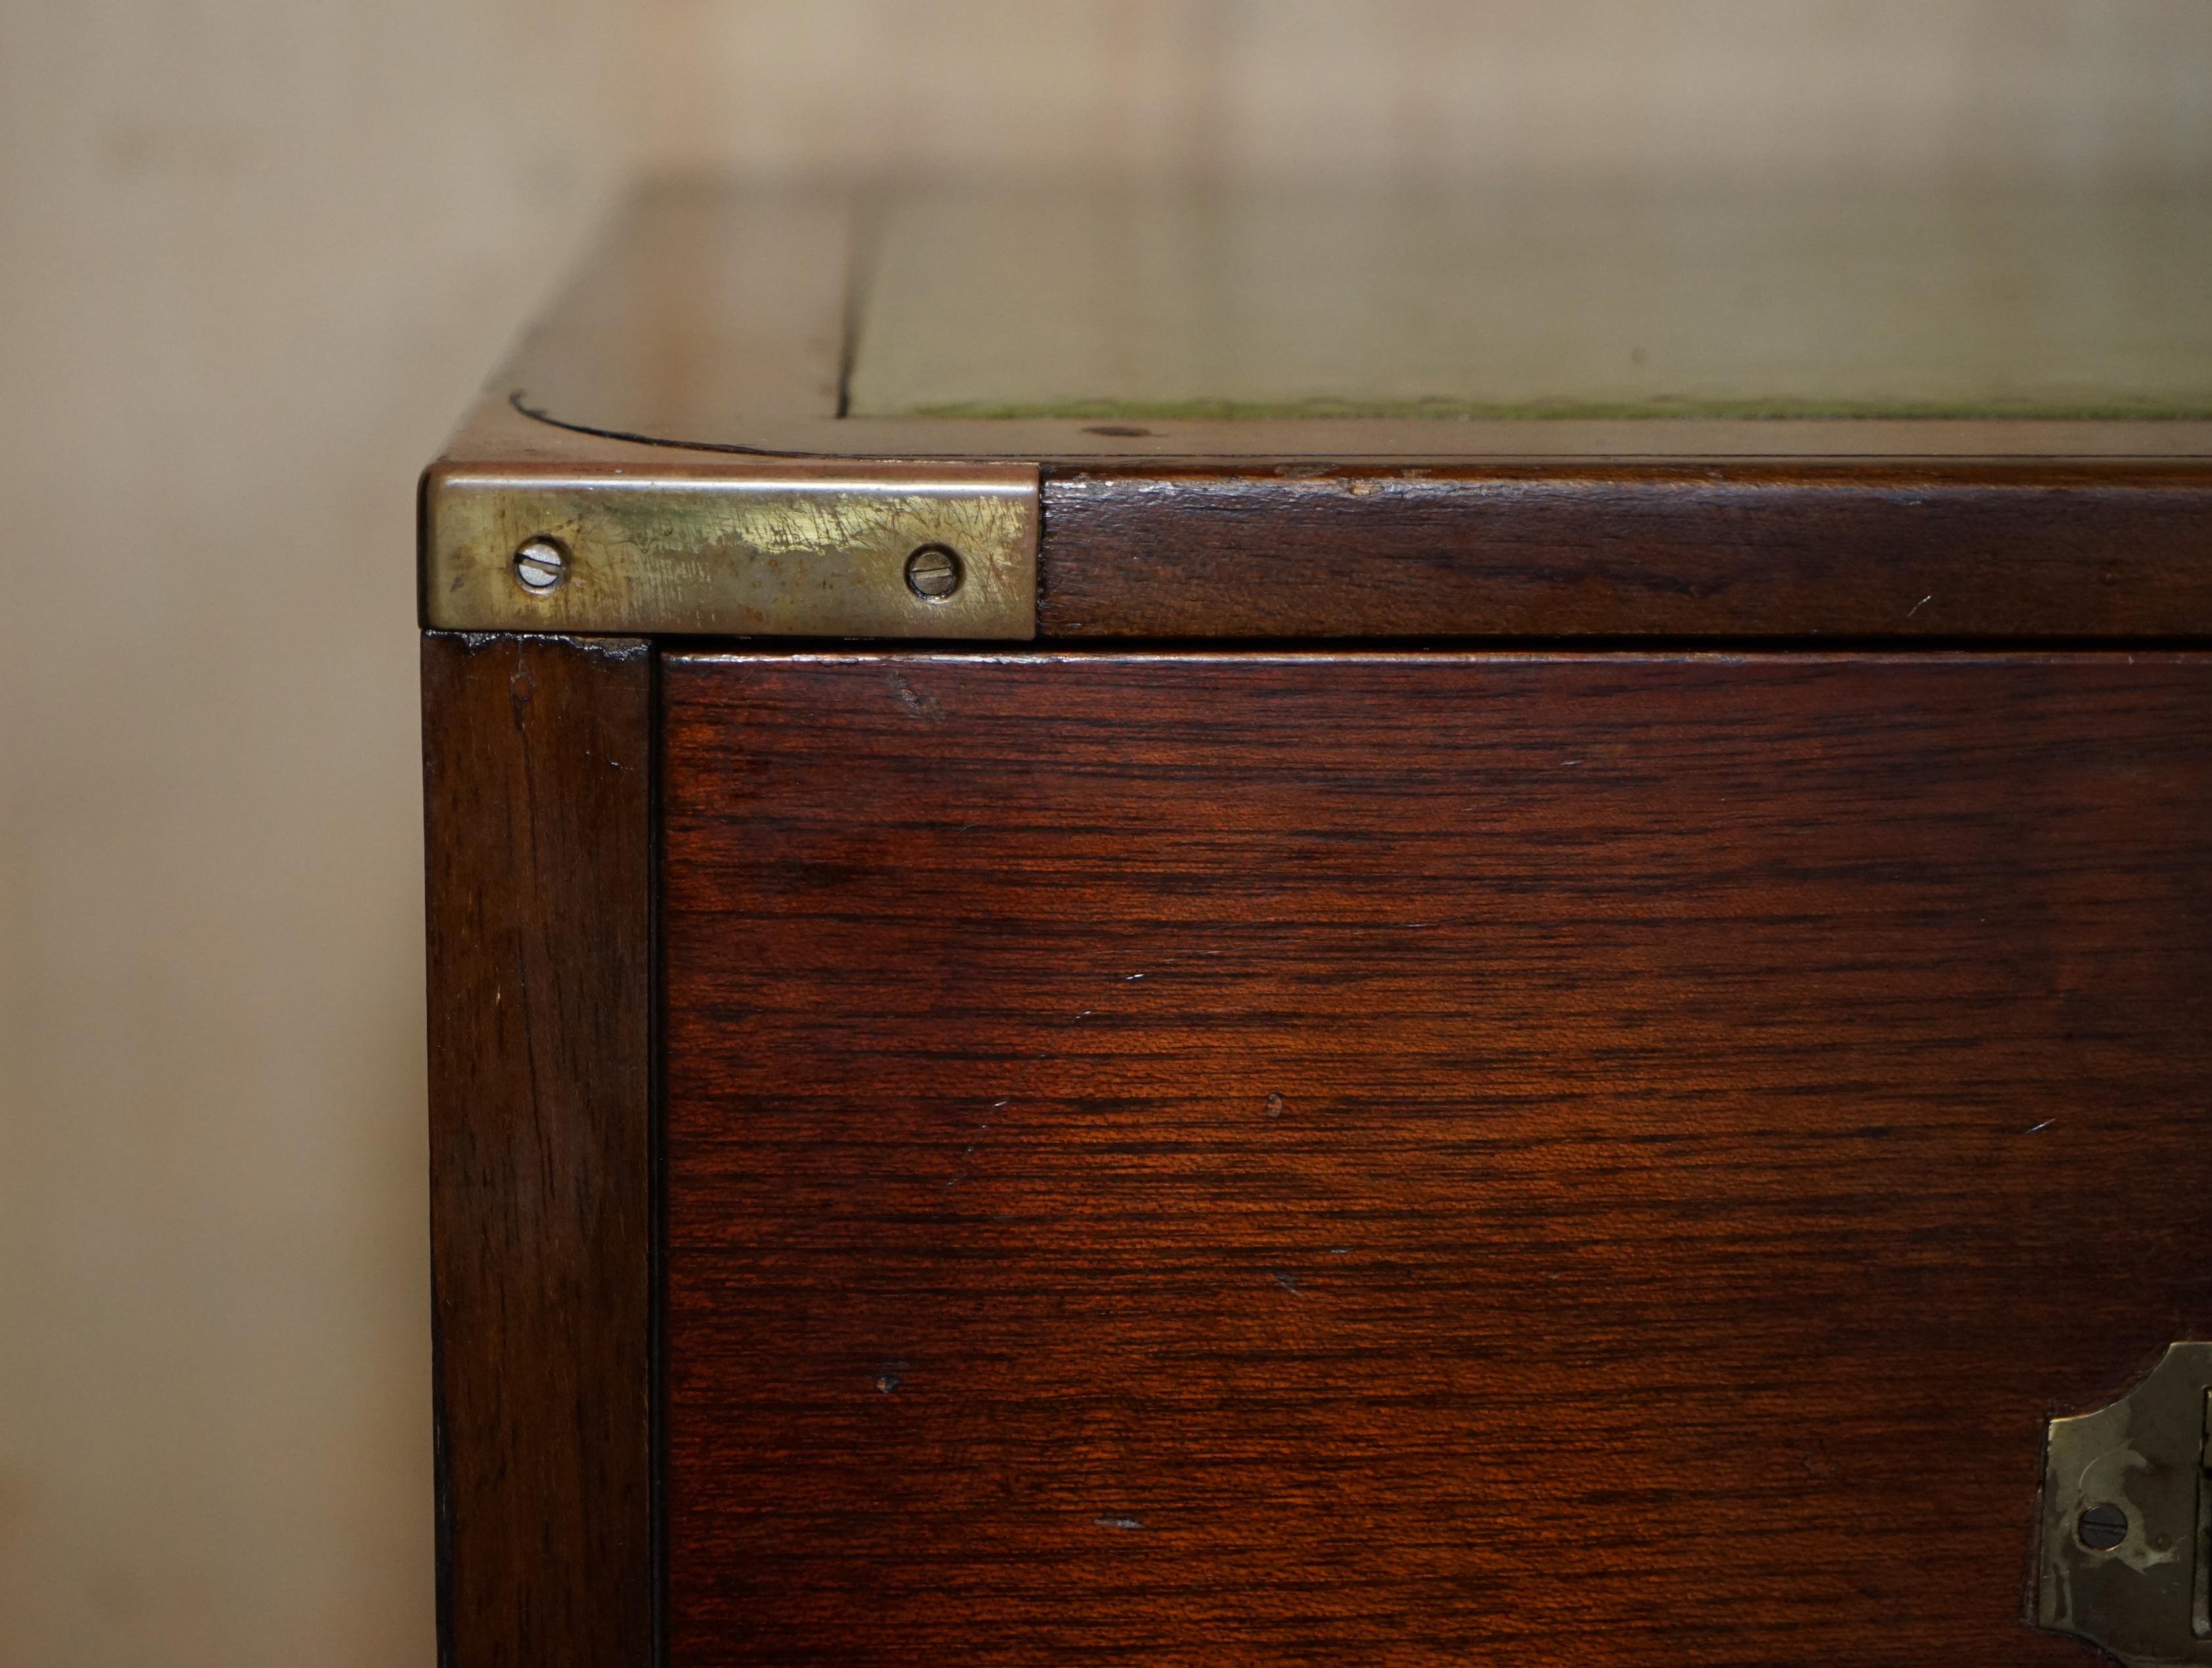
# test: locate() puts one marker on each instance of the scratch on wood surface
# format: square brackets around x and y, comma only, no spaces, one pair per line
[919,703]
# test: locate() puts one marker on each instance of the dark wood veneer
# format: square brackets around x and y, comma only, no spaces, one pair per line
[1546,1159]
[2019,548]
[538,803]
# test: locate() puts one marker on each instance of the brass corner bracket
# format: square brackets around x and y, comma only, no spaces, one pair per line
[766,547]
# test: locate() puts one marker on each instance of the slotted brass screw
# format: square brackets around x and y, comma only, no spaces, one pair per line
[933,572]
[541,564]
[2102,1528]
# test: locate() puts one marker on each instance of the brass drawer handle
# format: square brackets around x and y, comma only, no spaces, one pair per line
[2126,1559]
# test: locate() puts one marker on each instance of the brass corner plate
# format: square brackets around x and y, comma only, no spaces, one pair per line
[2126,1554]
[752,547]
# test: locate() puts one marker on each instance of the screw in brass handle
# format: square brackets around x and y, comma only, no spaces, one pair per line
[2126,1552]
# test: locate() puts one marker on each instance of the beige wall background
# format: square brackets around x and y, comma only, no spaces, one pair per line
[1275,87]
[254,256]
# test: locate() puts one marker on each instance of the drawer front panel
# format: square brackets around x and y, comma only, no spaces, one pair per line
[1417,1158]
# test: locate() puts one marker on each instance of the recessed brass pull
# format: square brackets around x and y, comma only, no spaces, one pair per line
[2126,1559]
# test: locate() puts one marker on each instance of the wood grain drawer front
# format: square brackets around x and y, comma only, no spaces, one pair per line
[1416,1158]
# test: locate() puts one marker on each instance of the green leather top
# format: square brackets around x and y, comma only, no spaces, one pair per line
[2090,301]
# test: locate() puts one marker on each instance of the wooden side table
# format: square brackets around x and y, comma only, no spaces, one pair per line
[1445,926]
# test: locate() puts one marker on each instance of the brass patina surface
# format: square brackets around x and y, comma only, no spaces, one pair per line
[771,548]
[2143,1598]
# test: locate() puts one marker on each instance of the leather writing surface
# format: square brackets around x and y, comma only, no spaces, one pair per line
[2018,298]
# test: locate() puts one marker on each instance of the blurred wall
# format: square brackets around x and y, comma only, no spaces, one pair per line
[1273,87]
[254,255]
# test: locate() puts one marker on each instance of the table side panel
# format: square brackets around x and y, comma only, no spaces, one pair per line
[1416,1158]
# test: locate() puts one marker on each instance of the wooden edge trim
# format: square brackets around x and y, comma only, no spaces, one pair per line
[1856,550]
[538,811]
